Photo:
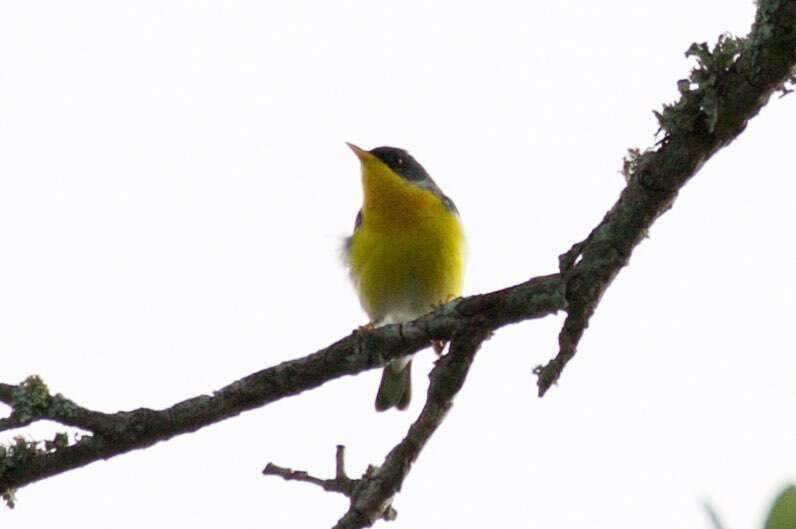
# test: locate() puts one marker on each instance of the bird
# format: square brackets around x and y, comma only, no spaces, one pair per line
[406,254]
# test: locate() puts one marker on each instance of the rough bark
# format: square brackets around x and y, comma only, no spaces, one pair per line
[729,86]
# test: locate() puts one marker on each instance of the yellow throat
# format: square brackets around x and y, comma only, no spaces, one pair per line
[407,254]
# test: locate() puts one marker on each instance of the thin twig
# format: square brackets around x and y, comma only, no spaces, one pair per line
[341,483]
[371,495]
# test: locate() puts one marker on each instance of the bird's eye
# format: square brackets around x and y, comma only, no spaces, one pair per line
[399,161]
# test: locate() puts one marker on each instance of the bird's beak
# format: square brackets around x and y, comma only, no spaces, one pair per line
[362,154]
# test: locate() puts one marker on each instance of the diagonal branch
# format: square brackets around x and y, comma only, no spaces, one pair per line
[728,88]
[117,433]
[733,82]
[371,496]
[374,496]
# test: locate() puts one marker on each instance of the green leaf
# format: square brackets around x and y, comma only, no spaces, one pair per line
[783,512]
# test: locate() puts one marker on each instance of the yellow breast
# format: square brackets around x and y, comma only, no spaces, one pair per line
[408,253]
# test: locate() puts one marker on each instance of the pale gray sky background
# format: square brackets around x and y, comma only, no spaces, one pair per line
[174,187]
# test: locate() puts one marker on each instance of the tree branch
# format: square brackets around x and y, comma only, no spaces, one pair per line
[341,482]
[371,495]
[117,433]
[370,501]
[730,85]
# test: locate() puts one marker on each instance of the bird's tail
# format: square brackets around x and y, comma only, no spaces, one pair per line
[396,386]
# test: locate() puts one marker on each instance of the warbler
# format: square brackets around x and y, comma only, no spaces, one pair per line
[406,254]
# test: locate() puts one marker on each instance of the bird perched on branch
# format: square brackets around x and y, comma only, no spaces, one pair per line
[406,254]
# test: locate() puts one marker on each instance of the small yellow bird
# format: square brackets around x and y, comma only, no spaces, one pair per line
[406,254]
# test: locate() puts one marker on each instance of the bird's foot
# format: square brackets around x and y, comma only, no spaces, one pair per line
[365,328]
[447,299]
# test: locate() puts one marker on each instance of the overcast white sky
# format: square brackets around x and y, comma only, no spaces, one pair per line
[174,187]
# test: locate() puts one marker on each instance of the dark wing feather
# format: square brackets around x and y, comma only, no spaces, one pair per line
[348,240]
